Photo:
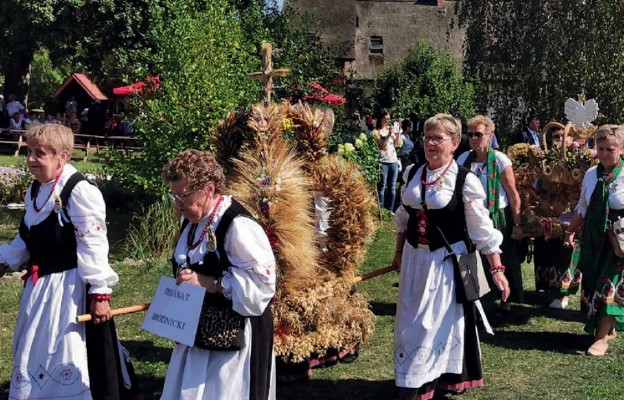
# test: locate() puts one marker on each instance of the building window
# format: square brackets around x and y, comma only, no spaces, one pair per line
[312,38]
[357,21]
[376,45]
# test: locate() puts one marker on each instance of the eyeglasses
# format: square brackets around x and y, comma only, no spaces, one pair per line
[180,197]
[435,139]
[476,134]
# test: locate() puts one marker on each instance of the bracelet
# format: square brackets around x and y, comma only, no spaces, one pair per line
[217,283]
[100,297]
[569,232]
[497,268]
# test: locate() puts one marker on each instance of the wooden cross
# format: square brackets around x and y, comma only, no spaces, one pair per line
[266,76]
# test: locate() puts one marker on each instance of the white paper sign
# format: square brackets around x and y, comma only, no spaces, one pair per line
[174,312]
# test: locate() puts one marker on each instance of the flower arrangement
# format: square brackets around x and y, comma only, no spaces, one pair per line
[364,153]
[549,181]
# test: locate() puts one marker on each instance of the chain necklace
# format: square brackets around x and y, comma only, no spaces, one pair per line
[191,233]
[34,200]
[438,181]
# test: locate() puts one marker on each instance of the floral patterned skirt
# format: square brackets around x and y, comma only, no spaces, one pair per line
[603,286]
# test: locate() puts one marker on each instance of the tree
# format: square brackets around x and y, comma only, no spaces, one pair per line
[202,59]
[532,55]
[423,83]
[96,36]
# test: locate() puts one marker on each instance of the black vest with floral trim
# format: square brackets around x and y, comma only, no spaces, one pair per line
[215,263]
[52,247]
[451,219]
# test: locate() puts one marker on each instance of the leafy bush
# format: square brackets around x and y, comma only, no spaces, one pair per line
[364,153]
[423,83]
[203,61]
[13,186]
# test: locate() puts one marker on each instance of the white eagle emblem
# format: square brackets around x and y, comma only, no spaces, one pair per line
[581,114]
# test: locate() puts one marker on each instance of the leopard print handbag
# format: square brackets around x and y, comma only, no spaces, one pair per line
[220,328]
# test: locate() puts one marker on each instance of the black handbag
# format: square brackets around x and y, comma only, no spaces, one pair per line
[219,328]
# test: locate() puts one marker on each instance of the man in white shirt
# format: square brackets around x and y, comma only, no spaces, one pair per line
[17,122]
[13,106]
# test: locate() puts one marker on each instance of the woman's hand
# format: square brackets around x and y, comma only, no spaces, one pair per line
[568,239]
[396,261]
[189,276]
[100,311]
[502,284]
[517,233]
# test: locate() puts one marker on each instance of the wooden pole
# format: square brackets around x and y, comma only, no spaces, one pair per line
[373,274]
[116,311]
[143,307]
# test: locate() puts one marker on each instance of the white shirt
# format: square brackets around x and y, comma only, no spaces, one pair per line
[480,169]
[479,225]
[13,107]
[616,191]
[87,211]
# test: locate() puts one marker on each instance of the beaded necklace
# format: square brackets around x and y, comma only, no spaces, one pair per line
[438,181]
[34,200]
[193,229]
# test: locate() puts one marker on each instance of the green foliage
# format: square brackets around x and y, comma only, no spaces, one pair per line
[13,186]
[364,153]
[423,83]
[101,36]
[151,235]
[202,60]
[533,55]
[47,77]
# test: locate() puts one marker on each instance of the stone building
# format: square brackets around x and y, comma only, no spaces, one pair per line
[367,34]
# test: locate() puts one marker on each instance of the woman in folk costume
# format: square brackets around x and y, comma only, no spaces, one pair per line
[555,264]
[496,175]
[223,249]
[436,344]
[62,239]
[601,201]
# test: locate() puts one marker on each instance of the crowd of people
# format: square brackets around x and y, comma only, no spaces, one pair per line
[93,119]
[452,203]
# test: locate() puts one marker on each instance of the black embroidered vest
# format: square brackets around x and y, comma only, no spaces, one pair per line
[451,219]
[213,264]
[52,247]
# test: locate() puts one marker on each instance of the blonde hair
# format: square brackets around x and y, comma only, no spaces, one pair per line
[481,120]
[447,122]
[610,131]
[197,168]
[55,136]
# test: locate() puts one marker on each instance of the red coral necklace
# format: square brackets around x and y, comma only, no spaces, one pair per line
[191,233]
[437,182]
[34,199]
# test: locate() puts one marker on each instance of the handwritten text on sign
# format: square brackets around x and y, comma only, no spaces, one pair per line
[174,312]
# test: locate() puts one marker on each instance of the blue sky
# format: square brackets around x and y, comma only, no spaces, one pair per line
[280,3]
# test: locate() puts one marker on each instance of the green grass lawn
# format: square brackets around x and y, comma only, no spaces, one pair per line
[93,166]
[537,353]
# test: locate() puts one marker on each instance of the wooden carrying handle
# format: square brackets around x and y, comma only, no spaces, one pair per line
[142,307]
[373,274]
[116,311]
